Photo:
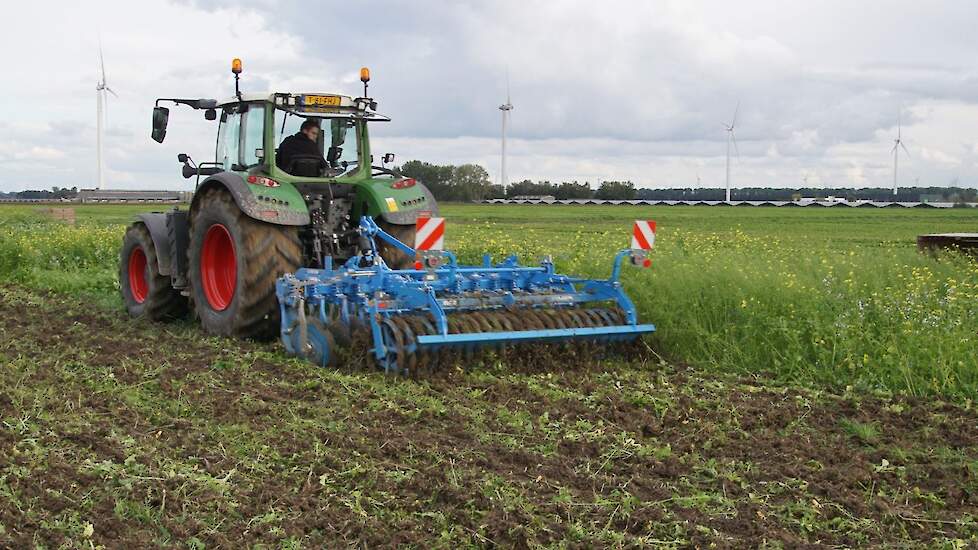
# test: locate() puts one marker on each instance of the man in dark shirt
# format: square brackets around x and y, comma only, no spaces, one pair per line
[304,143]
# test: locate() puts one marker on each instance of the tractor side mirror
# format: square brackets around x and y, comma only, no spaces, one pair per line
[388,158]
[189,171]
[210,114]
[183,157]
[161,115]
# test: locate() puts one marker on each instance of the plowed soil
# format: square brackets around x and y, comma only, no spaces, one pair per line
[125,434]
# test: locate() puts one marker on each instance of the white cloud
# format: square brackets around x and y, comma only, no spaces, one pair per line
[939,157]
[40,153]
[634,90]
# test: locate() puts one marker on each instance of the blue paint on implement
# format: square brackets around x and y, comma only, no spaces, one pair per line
[410,314]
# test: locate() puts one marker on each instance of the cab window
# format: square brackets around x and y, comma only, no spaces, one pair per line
[253,125]
[228,138]
[342,136]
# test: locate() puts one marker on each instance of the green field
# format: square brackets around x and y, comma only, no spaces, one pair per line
[834,296]
[812,381]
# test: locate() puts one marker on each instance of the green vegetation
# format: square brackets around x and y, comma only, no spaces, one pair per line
[116,433]
[838,297]
[811,383]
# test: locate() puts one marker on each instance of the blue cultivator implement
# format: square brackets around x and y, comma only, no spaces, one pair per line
[411,315]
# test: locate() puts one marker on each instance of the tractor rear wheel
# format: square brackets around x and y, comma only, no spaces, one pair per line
[234,263]
[145,292]
[394,257]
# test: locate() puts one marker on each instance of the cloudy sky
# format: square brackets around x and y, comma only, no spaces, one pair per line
[635,90]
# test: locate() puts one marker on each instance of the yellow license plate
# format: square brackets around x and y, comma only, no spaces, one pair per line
[324,100]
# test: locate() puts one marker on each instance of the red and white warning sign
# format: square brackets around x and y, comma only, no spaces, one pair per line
[429,233]
[643,235]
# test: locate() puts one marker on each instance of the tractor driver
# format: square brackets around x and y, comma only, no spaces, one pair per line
[305,143]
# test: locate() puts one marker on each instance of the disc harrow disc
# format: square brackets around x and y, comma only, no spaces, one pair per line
[319,347]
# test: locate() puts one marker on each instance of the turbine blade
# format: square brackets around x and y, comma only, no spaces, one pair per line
[508,102]
[111,91]
[736,111]
[905,149]
[737,149]
[101,59]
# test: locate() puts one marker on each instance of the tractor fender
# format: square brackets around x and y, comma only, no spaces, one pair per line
[409,215]
[156,223]
[281,205]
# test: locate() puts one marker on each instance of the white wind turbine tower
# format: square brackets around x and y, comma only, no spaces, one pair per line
[505,108]
[100,89]
[731,138]
[897,144]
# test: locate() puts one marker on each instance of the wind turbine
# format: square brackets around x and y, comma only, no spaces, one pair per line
[897,144]
[505,108]
[103,100]
[731,138]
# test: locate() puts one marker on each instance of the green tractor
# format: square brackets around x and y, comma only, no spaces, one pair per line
[254,218]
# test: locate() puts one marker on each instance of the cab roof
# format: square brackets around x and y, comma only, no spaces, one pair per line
[314,104]
[345,100]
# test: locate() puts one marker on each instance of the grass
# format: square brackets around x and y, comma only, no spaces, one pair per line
[827,296]
[865,432]
[834,296]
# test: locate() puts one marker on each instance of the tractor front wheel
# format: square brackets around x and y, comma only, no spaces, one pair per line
[234,263]
[145,291]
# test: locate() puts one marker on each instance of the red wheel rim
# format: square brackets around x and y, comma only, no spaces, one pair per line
[218,267]
[138,285]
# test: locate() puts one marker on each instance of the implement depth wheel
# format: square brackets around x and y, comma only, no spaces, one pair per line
[145,292]
[234,263]
[393,256]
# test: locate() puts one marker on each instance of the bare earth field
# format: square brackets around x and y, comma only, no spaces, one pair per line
[123,434]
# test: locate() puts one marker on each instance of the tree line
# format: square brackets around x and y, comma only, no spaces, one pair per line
[55,193]
[470,182]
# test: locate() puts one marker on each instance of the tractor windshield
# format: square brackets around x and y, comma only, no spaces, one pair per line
[337,139]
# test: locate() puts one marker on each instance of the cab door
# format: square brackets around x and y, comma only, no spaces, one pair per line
[239,138]
[252,134]
[229,139]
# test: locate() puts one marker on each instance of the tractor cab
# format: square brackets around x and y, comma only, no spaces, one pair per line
[303,159]
[253,127]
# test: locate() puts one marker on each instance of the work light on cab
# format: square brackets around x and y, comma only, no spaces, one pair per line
[364,77]
[236,69]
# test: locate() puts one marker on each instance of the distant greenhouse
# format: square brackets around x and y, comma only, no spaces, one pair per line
[132,195]
[798,204]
